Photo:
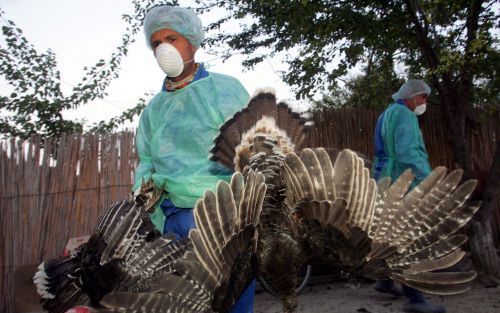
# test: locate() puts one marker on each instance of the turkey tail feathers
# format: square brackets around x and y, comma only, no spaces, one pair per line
[262,104]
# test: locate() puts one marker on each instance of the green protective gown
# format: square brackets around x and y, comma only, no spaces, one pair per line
[176,131]
[400,145]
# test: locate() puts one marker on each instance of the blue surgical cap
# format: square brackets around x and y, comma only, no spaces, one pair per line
[182,20]
[411,88]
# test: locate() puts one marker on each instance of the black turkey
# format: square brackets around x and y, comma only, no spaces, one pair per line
[283,208]
[122,254]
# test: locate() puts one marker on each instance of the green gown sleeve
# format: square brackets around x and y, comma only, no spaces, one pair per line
[143,145]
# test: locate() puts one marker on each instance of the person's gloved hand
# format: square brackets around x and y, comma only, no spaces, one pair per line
[147,194]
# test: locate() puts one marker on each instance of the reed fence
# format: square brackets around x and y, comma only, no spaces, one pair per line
[55,190]
[51,191]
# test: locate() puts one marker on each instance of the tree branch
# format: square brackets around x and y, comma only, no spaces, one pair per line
[472,25]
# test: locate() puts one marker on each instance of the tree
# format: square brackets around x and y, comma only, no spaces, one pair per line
[322,40]
[36,103]
[370,90]
[452,44]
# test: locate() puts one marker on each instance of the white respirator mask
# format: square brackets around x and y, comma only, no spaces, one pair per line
[420,109]
[170,60]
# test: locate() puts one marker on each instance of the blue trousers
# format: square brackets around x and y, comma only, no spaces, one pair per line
[180,221]
[413,295]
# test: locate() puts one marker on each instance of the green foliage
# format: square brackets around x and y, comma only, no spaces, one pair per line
[371,89]
[127,115]
[36,103]
[323,40]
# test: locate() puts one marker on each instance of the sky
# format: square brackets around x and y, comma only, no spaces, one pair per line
[80,32]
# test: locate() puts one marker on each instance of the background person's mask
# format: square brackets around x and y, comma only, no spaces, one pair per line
[420,109]
[169,60]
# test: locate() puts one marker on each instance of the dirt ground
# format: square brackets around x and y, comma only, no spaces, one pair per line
[358,297]
[340,296]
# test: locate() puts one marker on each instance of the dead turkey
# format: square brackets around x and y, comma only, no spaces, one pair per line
[122,254]
[286,206]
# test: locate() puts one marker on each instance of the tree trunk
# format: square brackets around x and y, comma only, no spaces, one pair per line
[481,241]
[492,185]
[455,102]
[456,99]
[483,253]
